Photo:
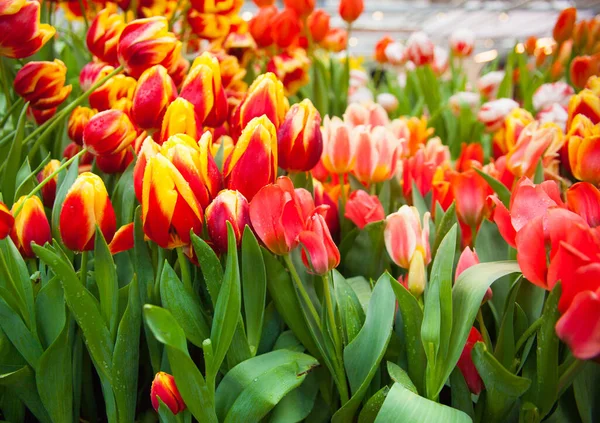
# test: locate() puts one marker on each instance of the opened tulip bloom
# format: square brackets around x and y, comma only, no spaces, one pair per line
[377,153]
[42,84]
[30,225]
[228,206]
[165,389]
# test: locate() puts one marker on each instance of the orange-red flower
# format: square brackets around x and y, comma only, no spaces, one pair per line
[319,253]
[86,205]
[324,197]
[291,68]
[108,132]
[583,198]
[49,190]
[108,95]
[77,122]
[470,155]
[318,24]
[533,142]
[21,34]
[6,221]
[583,68]
[228,206]
[285,27]
[505,139]
[335,40]
[115,163]
[380,47]
[466,366]
[300,142]
[123,240]
[260,25]
[103,36]
[564,24]
[302,8]
[92,72]
[530,45]
[209,26]
[584,155]
[363,209]
[377,152]
[217,6]
[42,84]
[154,91]
[350,10]
[164,387]
[30,225]
[470,192]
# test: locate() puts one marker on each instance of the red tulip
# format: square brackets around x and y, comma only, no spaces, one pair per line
[123,239]
[583,198]
[564,24]
[471,154]
[285,28]
[228,206]
[363,209]
[350,10]
[302,8]
[583,68]
[6,221]
[319,254]
[331,215]
[260,25]
[318,24]
[466,366]
[164,387]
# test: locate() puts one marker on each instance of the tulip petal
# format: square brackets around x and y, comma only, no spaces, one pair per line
[579,327]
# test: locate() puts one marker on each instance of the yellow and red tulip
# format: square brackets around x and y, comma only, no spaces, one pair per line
[49,190]
[21,34]
[115,163]
[180,118]
[584,152]
[585,103]
[350,10]
[30,225]
[583,68]
[209,26]
[123,240]
[300,142]
[363,209]
[228,206]
[505,139]
[533,142]
[225,7]
[154,91]
[7,221]
[92,72]
[291,68]
[164,387]
[108,95]
[77,122]
[108,132]
[103,35]
[42,84]
[335,40]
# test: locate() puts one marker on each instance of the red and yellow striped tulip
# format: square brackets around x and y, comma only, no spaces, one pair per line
[31,225]
[123,240]
[103,35]
[584,155]
[300,142]
[514,123]
[49,190]
[253,161]
[533,142]
[225,7]
[41,116]
[108,95]
[228,206]
[586,103]
[180,118]
[154,91]
[583,68]
[335,40]
[21,34]
[86,205]
[108,132]
[164,387]
[209,26]
[92,72]
[291,68]
[77,122]
[42,84]
[7,221]
[115,163]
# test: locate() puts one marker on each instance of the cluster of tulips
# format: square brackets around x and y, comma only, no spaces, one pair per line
[220,206]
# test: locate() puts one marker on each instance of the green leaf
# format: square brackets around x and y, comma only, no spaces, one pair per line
[105,276]
[254,285]
[297,404]
[446,223]
[165,414]
[209,265]
[498,187]
[252,388]
[26,178]
[398,375]
[189,380]
[366,253]
[402,405]
[22,383]
[363,355]
[418,201]
[586,388]
[461,395]
[287,340]
[13,161]
[505,344]
[20,336]
[184,306]
[349,307]
[143,263]
[50,311]
[65,181]
[123,196]
[369,412]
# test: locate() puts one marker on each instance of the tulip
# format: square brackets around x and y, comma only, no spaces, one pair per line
[493,113]
[335,40]
[319,253]
[350,10]
[228,206]
[180,118]
[377,153]
[209,26]
[260,25]
[263,3]
[372,115]
[154,91]
[300,142]
[164,387]
[41,116]
[77,122]
[395,53]
[418,133]
[30,225]
[489,83]
[420,49]
[115,163]
[462,42]
[533,141]
[22,35]
[285,28]
[42,84]
[85,160]
[388,102]
[324,197]
[549,94]
[586,103]
[579,326]
[147,42]
[278,213]
[123,240]
[291,68]
[103,35]
[86,205]
[49,190]
[6,221]
[380,48]
[339,150]
[583,68]
[232,74]
[202,87]
[418,171]
[363,209]
[470,192]
[556,114]
[467,367]
[253,162]
[470,155]
[584,157]
[225,7]
[109,94]
[92,72]
[464,99]
[318,25]
[564,24]
[108,132]
[593,84]
[440,60]
[303,8]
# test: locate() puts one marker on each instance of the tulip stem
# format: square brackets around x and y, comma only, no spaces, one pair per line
[483,330]
[5,86]
[48,179]
[528,333]
[342,191]
[185,270]
[10,111]
[83,268]
[300,286]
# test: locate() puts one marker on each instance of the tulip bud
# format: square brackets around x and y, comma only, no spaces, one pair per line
[228,206]
[380,48]
[147,42]
[350,10]
[202,87]
[253,162]
[285,28]
[416,278]
[260,26]
[164,387]
[319,253]
[6,221]
[339,151]
[376,154]
[103,35]
[30,225]
[564,24]
[420,49]
[470,191]
[49,190]
[462,42]
[302,8]
[363,209]
[86,205]
[108,132]
[22,33]
[108,95]
[583,68]
[154,92]
[77,122]
[300,142]
[404,236]
[42,84]
[466,366]
[318,24]
[584,153]
[180,118]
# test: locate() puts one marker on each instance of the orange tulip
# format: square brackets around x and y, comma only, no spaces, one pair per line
[285,28]
[30,225]
[470,192]
[21,34]
[530,45]
[49,190]
[533,142]
[564,24]
[77,122]
[42,84]
[470,155]
[335,40]
[584,156]
[103,35]
[339,150]
[583,68]
[260,25]
[108,132]
[154,91]
[300,142]
[318,24]
[108,95]
[291,68]
[380,47]
[350,10]
[164,387]
[6,221]
[228,206]
[86,205]
[302,8]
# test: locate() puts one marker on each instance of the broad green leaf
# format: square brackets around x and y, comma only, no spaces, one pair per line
[65,181]
[461,395]
[22,383]
[288,341]
[239,350]
[13,161]
[402,405]
[184,306]
[123,197]
[369,412]
[398,375]
[363,355]
[209,265]
[50,311]
[366,254]
[297,404]
[418,201]
[586,388]
[189,380]
[505,344]
[24,341]
[446,224]
[165,414]
[498,187]
[105,276]
[252,388]
[254,285]
[349,308]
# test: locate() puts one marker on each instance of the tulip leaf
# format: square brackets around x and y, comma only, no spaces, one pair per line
[446,223]
[398,375]
[498,187]
[503,388]
[369,412]
[254,285]
[124,196]
[320,90]
[26,178]
[461,395]
[418,200]
[189,380]
[252,388]
[505,344]
[184,306]
[13,161]
[22,383]
[50,311]
[209,265]
[363,355]
[165,414]
[20,336]
[350,310]
[586,388]
[402,405]
[85,310]
[366,255]
[105,276]
[298,403]
[64,183]
[54,378]
[412,319]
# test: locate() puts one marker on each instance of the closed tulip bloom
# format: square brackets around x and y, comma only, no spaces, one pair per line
[21,34]
[103,35]
[464,99]
[302,8]
[324,197]
[42,84]
[209,26]
[470,191]
[92,72]
[583,68]
[467,367]
[154,91]
[489,83]
[564,24]
[300,142]
[228,206]
[420,49]
[253,162]
[260,25]
[285,28]
[493,113]
[108,132]
[6,221]
[363,209]
[30,225]
[552,93]
[319,253]
[108,95]
[203,88]
[86,205]
[339,150]
[318,24]
[164,387]
[180,118]
[77,122]
[147,42]
[377,153]
[49,190]
[381,47]
[350,10]
[514,123]
[462,42]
